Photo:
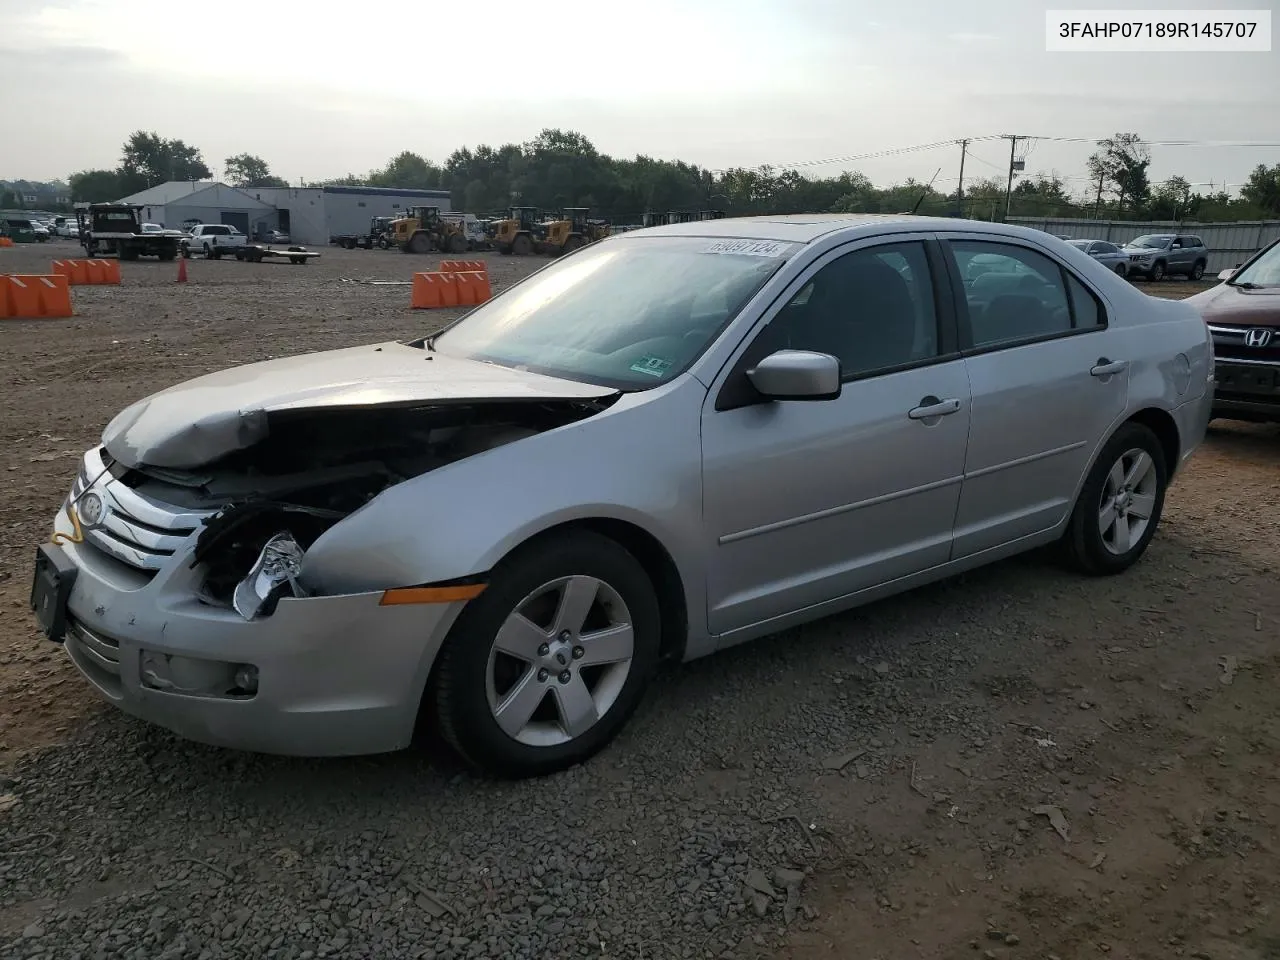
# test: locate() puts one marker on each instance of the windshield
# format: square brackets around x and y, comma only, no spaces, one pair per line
[630,314]
[1151,242]
[1264,272]
[1079,244]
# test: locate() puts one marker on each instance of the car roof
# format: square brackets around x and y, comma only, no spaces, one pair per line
[807,227]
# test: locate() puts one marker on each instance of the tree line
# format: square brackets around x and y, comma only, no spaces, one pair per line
[562,168]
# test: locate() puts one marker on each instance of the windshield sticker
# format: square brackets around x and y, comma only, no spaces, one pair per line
[653,366]
[750,248]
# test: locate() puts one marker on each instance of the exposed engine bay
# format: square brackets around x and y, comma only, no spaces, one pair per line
[315,467]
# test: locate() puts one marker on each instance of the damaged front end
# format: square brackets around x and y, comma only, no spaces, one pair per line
[309,469]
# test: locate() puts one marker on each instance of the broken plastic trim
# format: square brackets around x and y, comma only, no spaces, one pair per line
[275,570]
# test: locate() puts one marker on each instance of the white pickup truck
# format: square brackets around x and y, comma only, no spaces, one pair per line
[212,239]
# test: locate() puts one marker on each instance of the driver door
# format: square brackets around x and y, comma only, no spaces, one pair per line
[810,501]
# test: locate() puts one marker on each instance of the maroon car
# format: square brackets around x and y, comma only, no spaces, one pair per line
[1244,317]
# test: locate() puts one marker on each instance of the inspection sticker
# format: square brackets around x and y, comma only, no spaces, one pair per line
[750,248]
[653,366]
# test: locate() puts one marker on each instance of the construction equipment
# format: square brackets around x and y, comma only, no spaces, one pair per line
[518,232]
[424,230]
[573,229]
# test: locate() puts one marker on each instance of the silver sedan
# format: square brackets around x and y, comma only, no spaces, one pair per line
[665,444]
[1106,253]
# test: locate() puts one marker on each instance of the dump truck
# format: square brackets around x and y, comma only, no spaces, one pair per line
[426,229]
[517,232]
[571,230]
[117,228]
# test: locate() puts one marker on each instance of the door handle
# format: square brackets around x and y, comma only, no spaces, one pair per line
[1107,368]
[931,407]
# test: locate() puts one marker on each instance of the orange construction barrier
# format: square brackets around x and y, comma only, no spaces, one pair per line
[473,287]
[36,296]
[112,271]
[6,301]
[102,271]
[449,289]
[427,291]
[463,266]
[6,241]
[74,270]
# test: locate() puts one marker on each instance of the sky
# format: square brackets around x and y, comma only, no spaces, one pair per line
[719,83]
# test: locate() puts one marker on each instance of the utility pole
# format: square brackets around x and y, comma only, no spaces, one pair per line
[1008,191]
[964,147]
[1097,204]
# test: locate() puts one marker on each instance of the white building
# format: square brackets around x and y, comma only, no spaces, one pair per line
[314,215]
[310,215]
[180,204]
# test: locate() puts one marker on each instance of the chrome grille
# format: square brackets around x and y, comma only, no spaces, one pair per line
[102,652]
[136,530]
[1229,344]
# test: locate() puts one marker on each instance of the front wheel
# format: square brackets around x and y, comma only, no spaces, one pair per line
[1198,270]
[1157,272]
[1119,505]
[1120,270]
[543,668]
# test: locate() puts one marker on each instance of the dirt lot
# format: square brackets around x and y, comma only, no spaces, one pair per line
[1016,763]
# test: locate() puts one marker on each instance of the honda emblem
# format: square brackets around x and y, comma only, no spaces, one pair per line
[1257,337]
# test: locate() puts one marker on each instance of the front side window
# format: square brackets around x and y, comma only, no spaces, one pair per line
[628,313]
[871,309]
[1023,296]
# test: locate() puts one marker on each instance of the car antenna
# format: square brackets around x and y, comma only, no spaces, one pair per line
[927,188]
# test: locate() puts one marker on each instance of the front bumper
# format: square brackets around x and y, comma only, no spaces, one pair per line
[1247,391]
[336,675]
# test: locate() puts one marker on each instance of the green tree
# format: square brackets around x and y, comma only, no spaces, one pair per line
[148,159]
[1262,189]
[247,170]
[1121,162]
[409,171]
[1173,200]
[96,186]
[9,200]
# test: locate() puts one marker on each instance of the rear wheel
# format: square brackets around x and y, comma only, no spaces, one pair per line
[419,243]
[573,243]
[544,667]
[457,243]
[522,246]
[1120,269]
[1120,504]
[1198,270]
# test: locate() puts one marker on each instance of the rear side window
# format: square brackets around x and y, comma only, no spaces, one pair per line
[1086,310]
[1013,293]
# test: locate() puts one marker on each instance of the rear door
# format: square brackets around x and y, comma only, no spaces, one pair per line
[1047,382]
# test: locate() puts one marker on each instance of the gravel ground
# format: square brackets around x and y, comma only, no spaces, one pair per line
[888,783]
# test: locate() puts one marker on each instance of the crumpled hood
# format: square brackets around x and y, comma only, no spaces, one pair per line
[1236,305]
[197,422]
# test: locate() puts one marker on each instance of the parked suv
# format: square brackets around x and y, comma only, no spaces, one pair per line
[1157,255]
[211,239]
[1244,318]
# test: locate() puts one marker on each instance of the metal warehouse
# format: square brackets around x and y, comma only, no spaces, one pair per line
[310,215]
[179,204]
[314,214]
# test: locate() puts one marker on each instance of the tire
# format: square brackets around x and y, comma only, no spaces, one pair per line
[1120,269]
[504,249]
[127,253]
[522,245]
[457,244]
[474,682]
[1157,271]
[419,243]
[298,261]
[167,255]
[382,243]
[1198,270]
[572,244]
[186,252]
[1091,542]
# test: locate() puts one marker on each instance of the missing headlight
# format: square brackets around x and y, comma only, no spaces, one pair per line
[273,575]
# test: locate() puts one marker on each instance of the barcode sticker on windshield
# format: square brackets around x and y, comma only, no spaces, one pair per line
[750,248]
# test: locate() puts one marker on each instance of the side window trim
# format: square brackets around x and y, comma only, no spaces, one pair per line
[731,395]
[963,326]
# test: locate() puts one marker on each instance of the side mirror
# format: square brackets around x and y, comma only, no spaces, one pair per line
[797,375]
[1227,274]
